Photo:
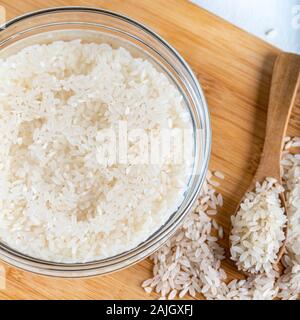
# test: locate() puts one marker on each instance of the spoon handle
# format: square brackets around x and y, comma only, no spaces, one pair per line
[284,88]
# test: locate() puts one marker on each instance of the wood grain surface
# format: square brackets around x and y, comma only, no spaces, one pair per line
[235,70]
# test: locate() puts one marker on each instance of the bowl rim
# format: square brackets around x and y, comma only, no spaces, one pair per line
[70,270]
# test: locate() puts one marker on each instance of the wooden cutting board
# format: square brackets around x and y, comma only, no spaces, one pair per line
[234,69]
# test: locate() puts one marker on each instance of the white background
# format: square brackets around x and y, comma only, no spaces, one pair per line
[260,16]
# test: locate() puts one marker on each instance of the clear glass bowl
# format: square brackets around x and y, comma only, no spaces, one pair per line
[119,30]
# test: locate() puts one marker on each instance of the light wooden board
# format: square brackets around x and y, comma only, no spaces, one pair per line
[234,69]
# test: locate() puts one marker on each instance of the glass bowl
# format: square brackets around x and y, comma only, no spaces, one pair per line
[58,23]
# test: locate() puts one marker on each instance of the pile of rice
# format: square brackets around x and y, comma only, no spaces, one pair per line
[191,262]
[57,201]
[289,283]
[258,228]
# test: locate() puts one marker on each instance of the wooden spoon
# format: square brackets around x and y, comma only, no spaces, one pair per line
[284,87]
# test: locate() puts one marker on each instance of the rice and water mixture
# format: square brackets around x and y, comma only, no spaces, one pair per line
[57,201]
